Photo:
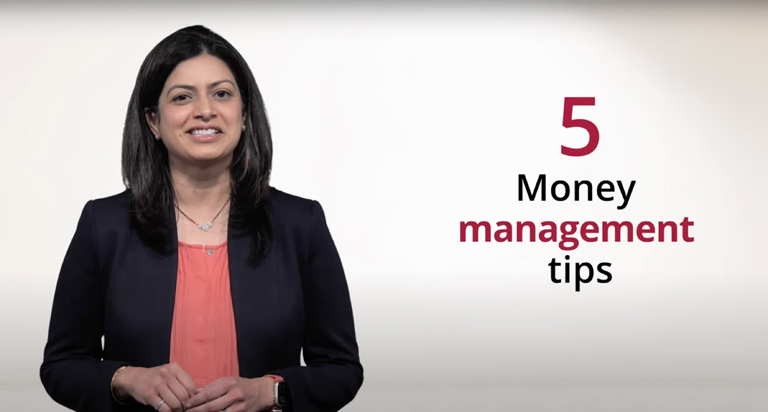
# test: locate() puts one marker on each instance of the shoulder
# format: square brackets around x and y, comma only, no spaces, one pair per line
[115,202]
[102,220]
[108,213]
[295,212]
[111,207]
[291,204]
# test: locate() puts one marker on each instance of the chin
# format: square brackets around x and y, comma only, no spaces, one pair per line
[210,156]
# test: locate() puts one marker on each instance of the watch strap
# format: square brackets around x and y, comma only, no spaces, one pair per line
[276,407]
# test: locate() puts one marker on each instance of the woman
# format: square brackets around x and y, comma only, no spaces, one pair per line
[205,283]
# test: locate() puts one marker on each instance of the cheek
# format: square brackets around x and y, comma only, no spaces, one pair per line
[232,116]
[174,118]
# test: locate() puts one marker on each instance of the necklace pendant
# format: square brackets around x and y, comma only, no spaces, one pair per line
[205,226]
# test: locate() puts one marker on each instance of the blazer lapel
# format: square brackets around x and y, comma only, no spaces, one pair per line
[142,298]
[167,274]
[248,284]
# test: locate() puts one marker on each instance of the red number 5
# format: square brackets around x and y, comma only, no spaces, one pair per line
[569,121]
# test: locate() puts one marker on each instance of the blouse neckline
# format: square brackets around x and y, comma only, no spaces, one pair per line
[202,246]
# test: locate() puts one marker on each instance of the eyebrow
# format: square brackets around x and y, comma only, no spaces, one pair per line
[185,86]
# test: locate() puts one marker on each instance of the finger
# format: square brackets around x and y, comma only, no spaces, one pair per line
[156,400]
[171,401]
[217,404]
[183,377]
[179,390]
[211,391]
[204,395]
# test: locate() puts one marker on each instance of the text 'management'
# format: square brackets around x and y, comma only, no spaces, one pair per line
[570,234]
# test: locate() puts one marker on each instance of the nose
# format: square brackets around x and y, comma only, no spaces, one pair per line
[204,109]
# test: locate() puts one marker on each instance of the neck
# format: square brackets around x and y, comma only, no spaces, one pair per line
[201,189]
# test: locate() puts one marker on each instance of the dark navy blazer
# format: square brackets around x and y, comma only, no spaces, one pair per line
[112,284]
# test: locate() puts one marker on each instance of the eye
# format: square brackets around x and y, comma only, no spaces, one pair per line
[222,94]
[181,98]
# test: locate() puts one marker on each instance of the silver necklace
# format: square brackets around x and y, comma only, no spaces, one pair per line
[203,226]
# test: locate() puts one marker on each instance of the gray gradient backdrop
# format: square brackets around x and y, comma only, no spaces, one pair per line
[404,121]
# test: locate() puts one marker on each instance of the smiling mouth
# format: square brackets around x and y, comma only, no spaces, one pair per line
[204,135]
[212,131]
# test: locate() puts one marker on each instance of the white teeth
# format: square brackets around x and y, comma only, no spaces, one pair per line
[202,132]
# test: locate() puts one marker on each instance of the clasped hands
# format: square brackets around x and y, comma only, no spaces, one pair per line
[168,388]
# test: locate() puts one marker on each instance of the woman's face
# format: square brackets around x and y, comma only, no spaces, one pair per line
[200,112]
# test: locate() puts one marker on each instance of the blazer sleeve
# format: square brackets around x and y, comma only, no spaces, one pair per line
[73,372]
[333,373]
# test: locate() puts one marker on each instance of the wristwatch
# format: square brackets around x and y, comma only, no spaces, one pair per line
[282,393]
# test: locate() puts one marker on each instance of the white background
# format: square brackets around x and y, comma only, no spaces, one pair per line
[404,121]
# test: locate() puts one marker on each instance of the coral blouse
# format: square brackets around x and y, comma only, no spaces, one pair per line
[203,336]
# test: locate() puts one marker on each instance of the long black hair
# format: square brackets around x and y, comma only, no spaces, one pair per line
[145,166]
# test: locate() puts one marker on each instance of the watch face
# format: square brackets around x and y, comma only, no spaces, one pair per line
[283,394]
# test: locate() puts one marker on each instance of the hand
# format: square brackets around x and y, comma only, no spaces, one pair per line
[169,383]
[233,394]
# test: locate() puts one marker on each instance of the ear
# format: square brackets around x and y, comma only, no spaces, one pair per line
[152,120]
